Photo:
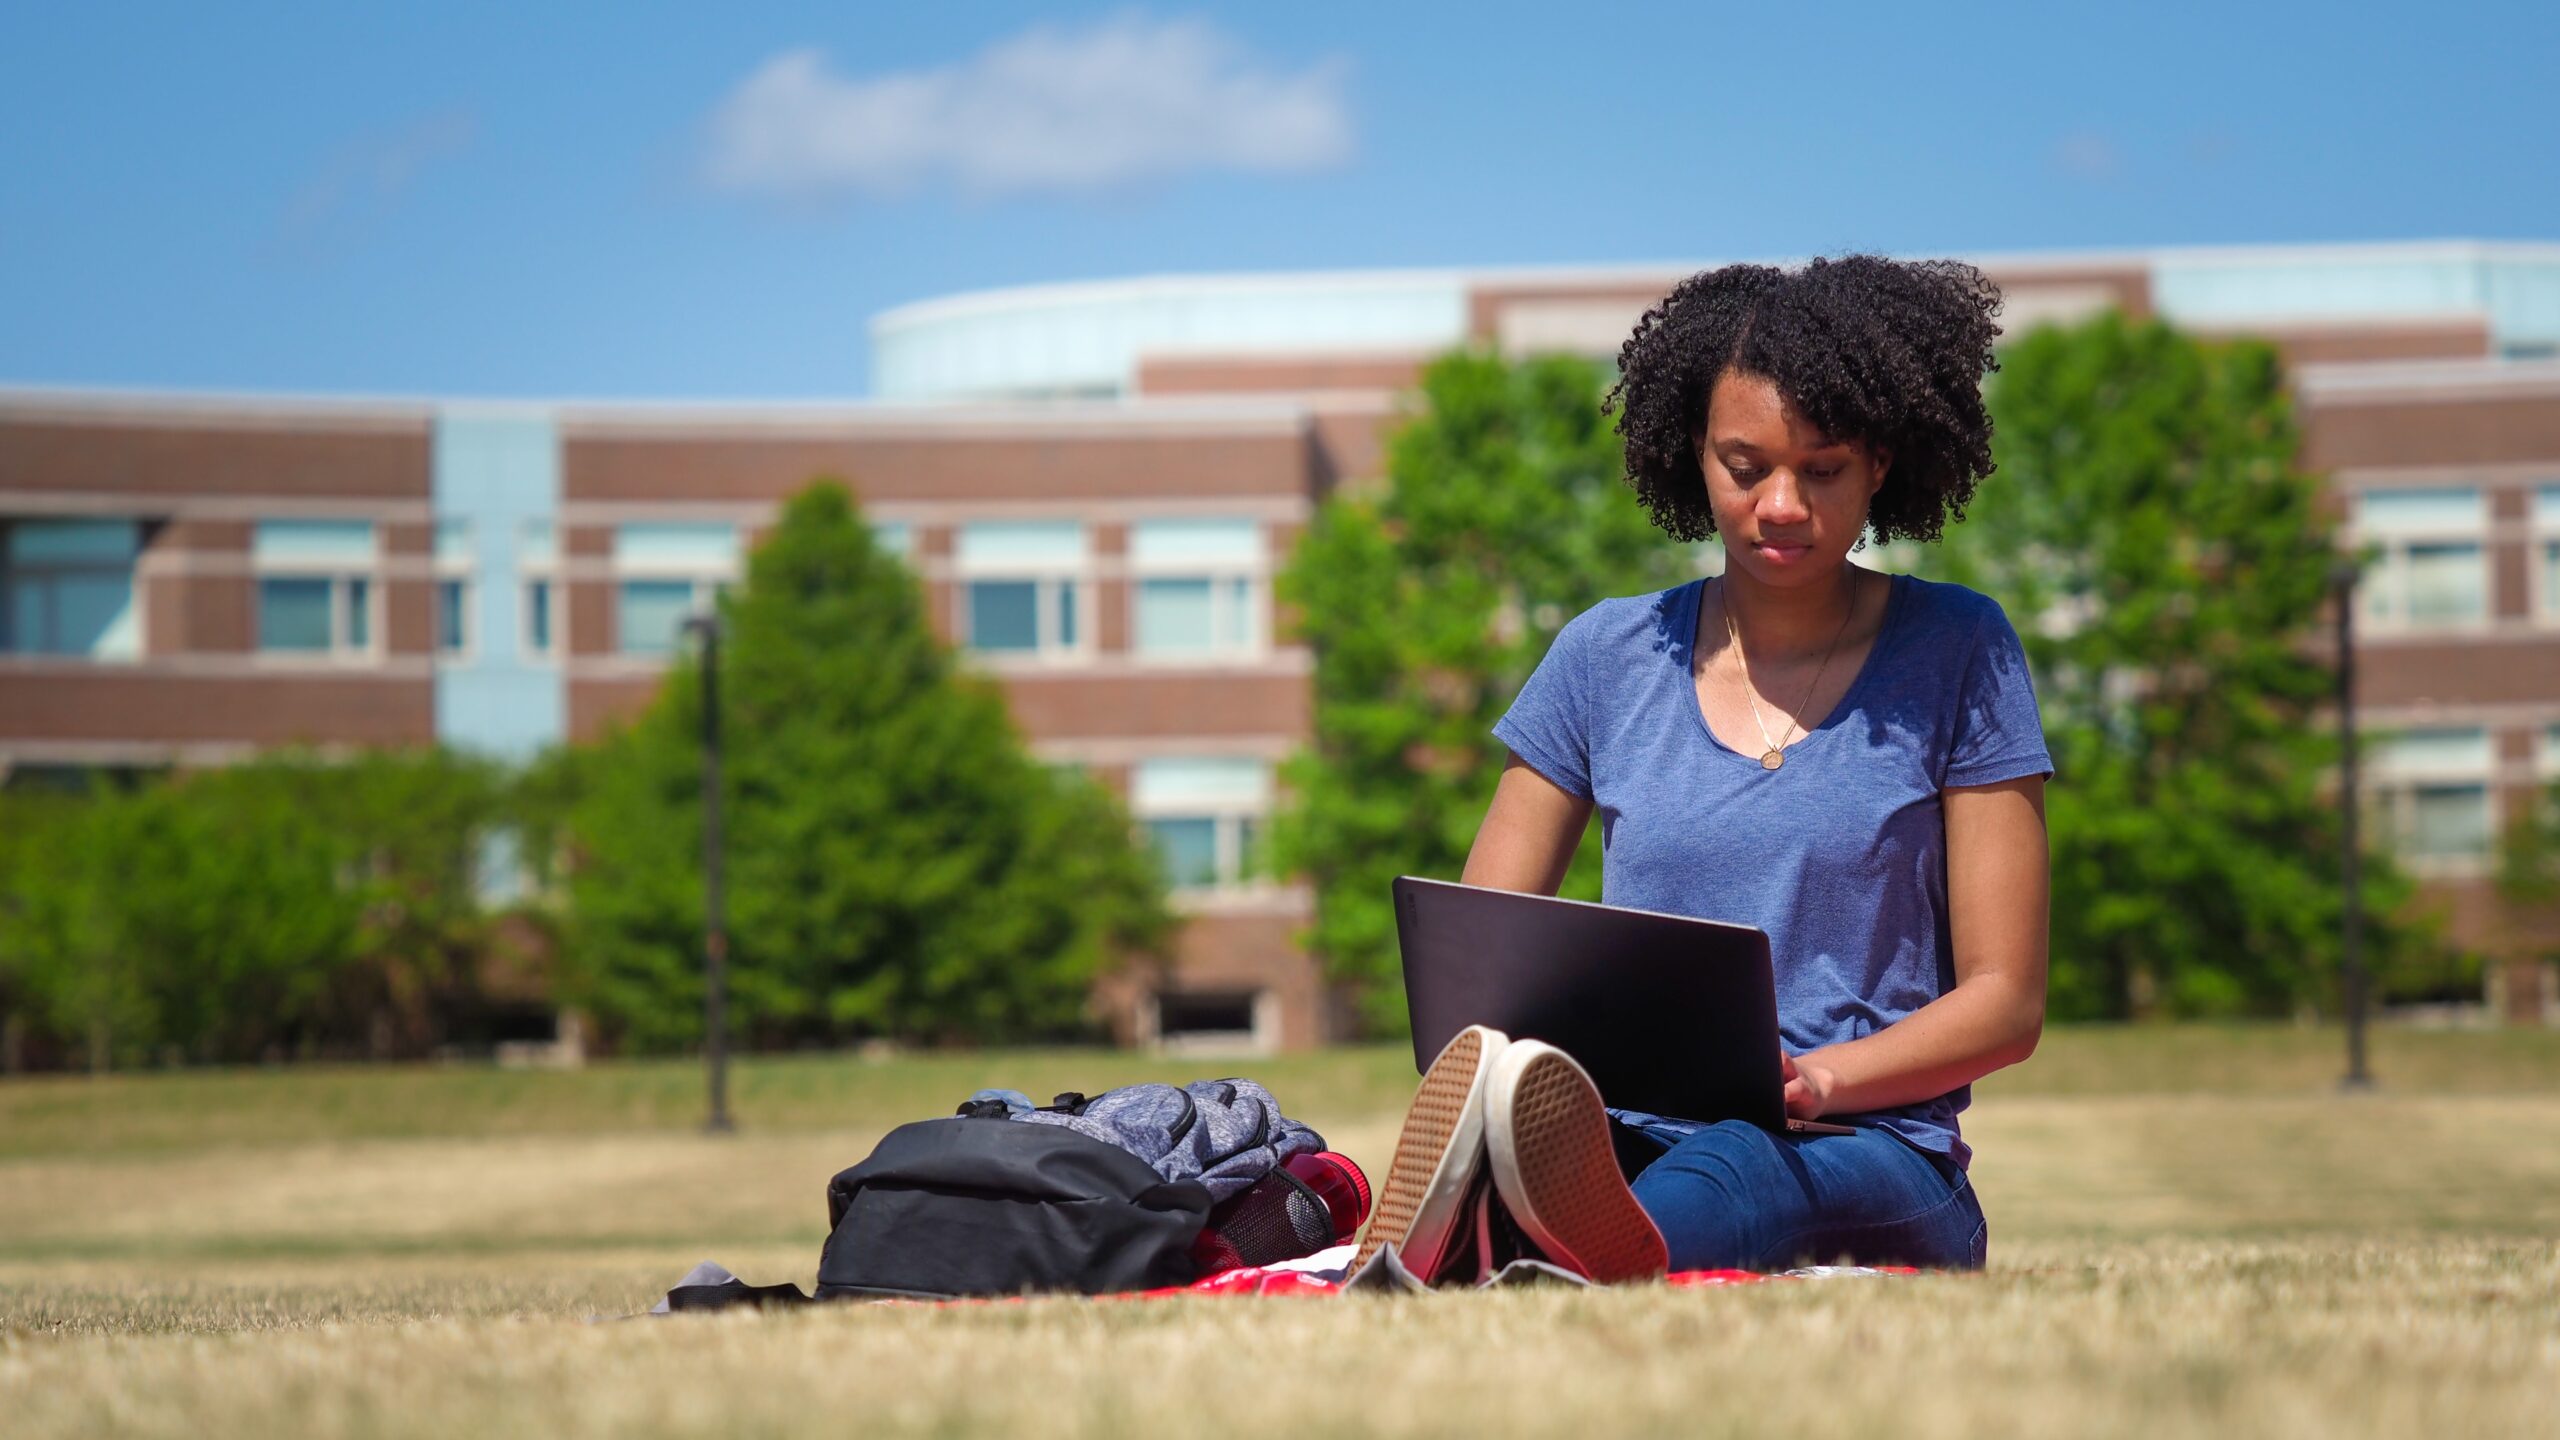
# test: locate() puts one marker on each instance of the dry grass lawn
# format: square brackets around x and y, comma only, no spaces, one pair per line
[2189,1233]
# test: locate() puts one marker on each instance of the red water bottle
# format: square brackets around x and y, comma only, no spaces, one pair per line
[1316,1204]
[1339,1184]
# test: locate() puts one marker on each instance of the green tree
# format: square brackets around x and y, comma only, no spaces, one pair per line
[292,904]
[2167,565]
[1428,603]
[898,864]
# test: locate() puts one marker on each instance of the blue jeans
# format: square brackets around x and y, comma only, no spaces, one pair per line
[1732,1196]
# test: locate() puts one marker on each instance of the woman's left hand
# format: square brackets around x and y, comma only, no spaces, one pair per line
[1809,1085]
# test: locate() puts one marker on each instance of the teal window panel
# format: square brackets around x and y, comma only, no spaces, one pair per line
[2447,582]
[294,614]
[1004,615]
[83,542]
[2447,822]
[2432,511]
[537,610]
[1200,782]
[453,542]
[1035,545]
[1175,615]
[359,614]
[1207,543]
[652,614]
[676,545]
[453,634]
[1187,849]
[313,542]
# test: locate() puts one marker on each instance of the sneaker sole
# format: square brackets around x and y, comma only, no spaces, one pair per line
[1437,1156]
[1547,1138]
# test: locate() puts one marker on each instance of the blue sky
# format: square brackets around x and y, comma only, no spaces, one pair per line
[471,199]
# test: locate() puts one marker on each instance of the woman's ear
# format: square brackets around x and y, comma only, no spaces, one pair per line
[1884,462]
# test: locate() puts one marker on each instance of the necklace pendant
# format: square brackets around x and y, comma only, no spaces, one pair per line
[1771,759]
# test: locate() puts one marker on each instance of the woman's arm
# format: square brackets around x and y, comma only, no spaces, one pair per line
[1998,877]
[1529,835]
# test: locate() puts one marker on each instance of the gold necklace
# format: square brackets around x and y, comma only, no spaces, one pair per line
[1774,756]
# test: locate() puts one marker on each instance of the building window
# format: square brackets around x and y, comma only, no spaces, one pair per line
[2546,551]
[2431,797]
[538,572]
[2429,571]
[1214,1022]
[1197,588]
[895,537]
[66,588]
[454,628]
[1205,818]
[315,587]
[666,574]
[1022,589]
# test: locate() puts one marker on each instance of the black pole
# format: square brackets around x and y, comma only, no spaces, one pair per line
[2350,878]
[715,922]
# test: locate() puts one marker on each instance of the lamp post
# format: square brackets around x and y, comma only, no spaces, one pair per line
[715,927]
[2342,582]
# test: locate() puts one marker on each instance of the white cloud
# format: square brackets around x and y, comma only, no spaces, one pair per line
[2088,155]
[359,184]
[1049,110]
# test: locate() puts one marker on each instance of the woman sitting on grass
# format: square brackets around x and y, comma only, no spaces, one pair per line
[1849,760]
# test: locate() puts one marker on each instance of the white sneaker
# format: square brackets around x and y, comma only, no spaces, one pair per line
[1547,1141]
[1438,1156]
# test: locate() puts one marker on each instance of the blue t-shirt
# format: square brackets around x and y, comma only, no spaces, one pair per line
[1841,853]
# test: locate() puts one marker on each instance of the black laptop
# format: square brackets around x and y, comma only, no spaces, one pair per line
[1669,1014]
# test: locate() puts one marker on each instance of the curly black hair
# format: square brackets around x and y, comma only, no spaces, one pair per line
[1885,353]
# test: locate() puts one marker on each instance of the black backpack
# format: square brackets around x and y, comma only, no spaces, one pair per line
[1085,1195]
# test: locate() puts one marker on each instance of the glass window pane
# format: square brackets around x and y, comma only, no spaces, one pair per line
[359,614]
[1004,615]
[30,617]
[2551,578]
[93,541]
[1204,542]
[293,614]
[541,544]
[2462,751]
[1174,615]
[1251,859]
[2446,582]
[92,615]
[498,871]
[676,545]
[1235,618]
[2449,820]
[2386,512]
[306,542]
[652,615]
[453,542]
[2378,592]
[1188,851]
[1067,615]
[449,598]
[537,609]
[1034,545]
[1207,782]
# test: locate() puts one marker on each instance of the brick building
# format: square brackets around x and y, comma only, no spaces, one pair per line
[1096,484]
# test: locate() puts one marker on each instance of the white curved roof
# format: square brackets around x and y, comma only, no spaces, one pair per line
[1087,337]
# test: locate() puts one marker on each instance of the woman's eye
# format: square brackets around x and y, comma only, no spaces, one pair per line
[1740,474]
[1823,474]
